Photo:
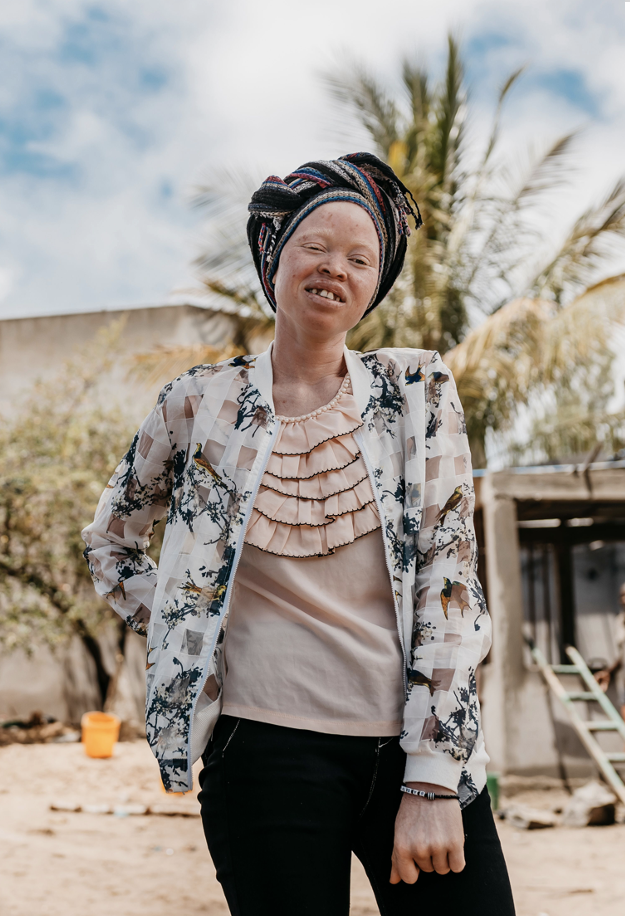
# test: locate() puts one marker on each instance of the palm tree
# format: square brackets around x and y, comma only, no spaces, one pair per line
[480,248]
[542,376]
[479,267]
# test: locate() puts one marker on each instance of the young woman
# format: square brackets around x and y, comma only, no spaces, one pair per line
[316,620]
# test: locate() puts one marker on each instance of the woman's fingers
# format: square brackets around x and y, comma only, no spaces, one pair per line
[425,862]
[456,859]
[441,861]
[404,867]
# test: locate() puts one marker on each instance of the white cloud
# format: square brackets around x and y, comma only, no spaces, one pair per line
[121,115]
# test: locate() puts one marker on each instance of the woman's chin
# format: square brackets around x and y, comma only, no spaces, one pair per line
[319,318]
[324,326]
[327,317]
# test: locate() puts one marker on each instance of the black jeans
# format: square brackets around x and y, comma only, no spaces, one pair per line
[283,809]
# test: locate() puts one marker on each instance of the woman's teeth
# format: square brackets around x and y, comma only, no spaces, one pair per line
[325,293]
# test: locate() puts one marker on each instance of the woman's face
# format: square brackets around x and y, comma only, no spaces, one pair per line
[328,271]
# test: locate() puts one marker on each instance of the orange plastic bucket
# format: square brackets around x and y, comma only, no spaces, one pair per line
[99,732]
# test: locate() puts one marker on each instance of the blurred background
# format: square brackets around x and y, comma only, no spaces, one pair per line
[131,137]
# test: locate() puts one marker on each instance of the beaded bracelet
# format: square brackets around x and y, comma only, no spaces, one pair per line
[428,794]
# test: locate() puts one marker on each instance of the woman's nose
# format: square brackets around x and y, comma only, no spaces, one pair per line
[333,267]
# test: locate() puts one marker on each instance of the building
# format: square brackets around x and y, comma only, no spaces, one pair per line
[37,346]
[552,546]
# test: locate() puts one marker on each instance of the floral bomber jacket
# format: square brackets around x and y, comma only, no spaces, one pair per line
[198,458]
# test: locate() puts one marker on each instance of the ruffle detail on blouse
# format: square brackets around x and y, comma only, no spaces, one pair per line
[329,456]
[296,511]
[310,541]
[318,487]
[315,495]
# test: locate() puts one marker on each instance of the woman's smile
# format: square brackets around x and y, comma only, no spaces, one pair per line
[325,293]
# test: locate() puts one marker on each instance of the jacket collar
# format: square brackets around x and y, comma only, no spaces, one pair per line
[262,376]
[359,376]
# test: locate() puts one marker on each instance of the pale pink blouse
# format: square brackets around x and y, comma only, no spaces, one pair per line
[312,640]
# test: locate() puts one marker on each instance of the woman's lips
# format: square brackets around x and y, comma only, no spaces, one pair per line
[323,294]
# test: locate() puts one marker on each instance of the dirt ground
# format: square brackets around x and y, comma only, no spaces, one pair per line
[78,863]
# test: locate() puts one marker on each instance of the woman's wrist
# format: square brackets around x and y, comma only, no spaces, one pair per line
[430,788]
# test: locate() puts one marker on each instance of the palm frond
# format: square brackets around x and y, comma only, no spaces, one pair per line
[589,242]
[568,431]
[531,352]
[449,127]
[357,91]
[503,93]
[225,262]
[416,82]
[225,191]
[243,296]
[165,363]
[502,346]
[480,175]
[530,340]
[547,171]
[503,239]
[586,327]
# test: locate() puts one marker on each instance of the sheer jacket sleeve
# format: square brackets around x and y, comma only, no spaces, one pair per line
[451,633]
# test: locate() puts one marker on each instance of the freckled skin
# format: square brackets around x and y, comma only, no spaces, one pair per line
[338,243]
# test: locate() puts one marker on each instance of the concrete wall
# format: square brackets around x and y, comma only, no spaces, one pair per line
[62,684]
[33,348]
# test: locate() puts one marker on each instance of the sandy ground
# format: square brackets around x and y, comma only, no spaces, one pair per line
[66,863]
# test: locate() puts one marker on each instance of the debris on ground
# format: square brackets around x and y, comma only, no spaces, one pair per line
[42,728]
[39,728]
[519,785]
[528,817]
[590,805]
[164,808]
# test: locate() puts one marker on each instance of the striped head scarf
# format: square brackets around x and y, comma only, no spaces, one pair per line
[279,206]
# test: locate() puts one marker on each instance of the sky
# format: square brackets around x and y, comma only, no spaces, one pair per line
[111,114]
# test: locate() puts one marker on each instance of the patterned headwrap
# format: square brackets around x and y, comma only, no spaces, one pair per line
[279,206]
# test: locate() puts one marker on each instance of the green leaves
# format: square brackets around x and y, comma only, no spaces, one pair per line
[588,244]
[56,456]
[370,103]
[541,375]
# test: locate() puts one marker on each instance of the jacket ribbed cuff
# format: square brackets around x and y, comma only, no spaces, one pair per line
[434,768]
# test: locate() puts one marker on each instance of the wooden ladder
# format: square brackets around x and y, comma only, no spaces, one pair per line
[586,729]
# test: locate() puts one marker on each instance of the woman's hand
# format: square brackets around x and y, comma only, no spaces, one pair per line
[428,836]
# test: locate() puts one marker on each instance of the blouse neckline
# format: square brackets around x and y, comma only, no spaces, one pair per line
[345,385]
